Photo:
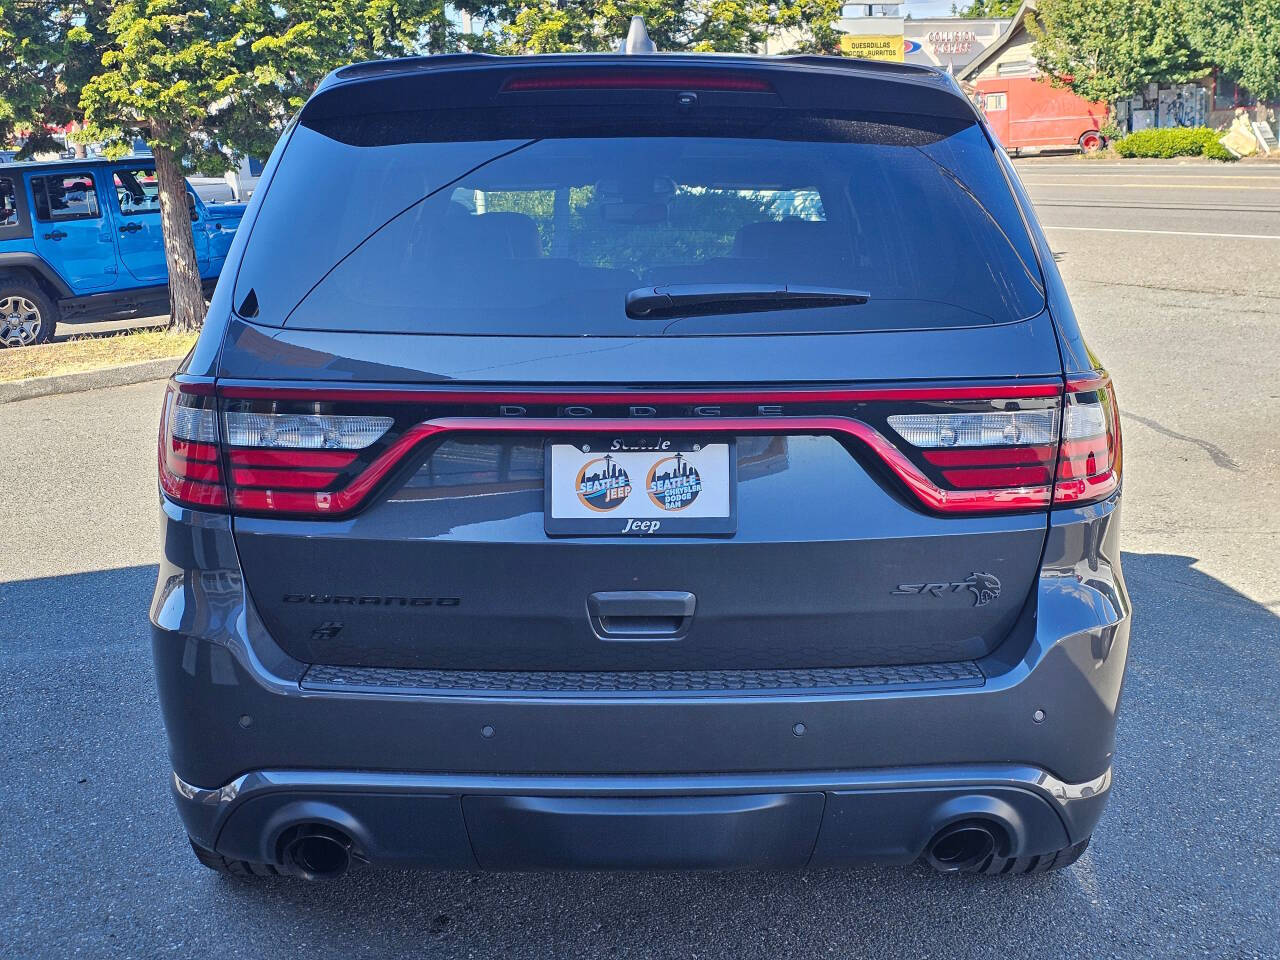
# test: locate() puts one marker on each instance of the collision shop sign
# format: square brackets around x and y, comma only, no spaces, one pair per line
[945,42]
[873,46]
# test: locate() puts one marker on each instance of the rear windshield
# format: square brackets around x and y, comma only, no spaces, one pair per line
[432,222]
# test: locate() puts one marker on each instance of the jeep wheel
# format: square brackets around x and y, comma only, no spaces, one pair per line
[27,316]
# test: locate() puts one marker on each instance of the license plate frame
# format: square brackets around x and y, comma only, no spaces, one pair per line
[639,513]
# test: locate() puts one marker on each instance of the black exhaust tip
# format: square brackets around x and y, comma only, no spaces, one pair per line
[316,853]
[960,847]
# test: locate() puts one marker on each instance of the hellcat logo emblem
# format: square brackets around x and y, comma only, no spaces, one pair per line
[673,483]
[602,485]
[985,588]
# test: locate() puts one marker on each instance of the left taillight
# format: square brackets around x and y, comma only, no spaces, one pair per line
[303,463]
[190,473]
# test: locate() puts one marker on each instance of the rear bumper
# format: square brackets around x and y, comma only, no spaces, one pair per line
[681,822]
[660,779]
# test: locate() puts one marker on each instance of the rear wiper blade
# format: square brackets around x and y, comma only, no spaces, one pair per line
[702,299]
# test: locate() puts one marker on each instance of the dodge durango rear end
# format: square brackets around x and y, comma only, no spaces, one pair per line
[639,461]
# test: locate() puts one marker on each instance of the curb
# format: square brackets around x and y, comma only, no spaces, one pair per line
[89,380]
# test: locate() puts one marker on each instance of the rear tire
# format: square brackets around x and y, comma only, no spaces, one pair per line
[27,314]
[1092,141]
[237,869]
[1044,863]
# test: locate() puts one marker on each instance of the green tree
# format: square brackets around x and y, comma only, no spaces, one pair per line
[727,26]
[982,9]
[296,42]
[813,24]
[48,51]
[175,72]
[205,81]
[1107,50]
[1243,38]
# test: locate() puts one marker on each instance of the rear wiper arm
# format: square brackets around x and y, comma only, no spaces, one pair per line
[702,299]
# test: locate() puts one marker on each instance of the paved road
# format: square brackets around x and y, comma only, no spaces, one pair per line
[1159,199]
[1186,863]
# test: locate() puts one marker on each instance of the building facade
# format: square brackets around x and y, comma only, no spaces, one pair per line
[946,42]
[949,42]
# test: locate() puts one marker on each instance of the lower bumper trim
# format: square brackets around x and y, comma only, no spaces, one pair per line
[556,822]
[271,781]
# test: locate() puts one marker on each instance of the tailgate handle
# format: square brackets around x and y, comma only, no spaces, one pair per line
[641,614]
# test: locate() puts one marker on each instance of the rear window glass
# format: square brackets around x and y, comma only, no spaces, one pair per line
[8,203]
[547,236]
[67,196]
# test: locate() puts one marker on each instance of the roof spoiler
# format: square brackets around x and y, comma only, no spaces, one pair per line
[461,81]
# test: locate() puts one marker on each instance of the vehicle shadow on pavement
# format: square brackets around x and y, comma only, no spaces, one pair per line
[95,858]
[95,609]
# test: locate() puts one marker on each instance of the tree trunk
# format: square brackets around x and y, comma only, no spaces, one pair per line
[186,295]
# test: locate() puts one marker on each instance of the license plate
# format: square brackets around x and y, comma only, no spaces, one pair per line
[640,486]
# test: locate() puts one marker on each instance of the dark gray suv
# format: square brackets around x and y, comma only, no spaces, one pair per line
[639,461]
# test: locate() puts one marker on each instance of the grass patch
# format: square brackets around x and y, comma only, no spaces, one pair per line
[91,353]
[1174,142]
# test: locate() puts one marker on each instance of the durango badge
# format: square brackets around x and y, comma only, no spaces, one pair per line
[985,587]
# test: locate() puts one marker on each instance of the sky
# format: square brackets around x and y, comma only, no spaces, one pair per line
[929,8]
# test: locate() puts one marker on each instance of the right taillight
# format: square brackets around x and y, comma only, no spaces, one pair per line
[977,456]
[1089,454]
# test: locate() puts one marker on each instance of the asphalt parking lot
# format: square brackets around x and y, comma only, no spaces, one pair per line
[1173,270]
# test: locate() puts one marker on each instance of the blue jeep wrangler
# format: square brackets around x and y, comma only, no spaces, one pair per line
[81,240]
